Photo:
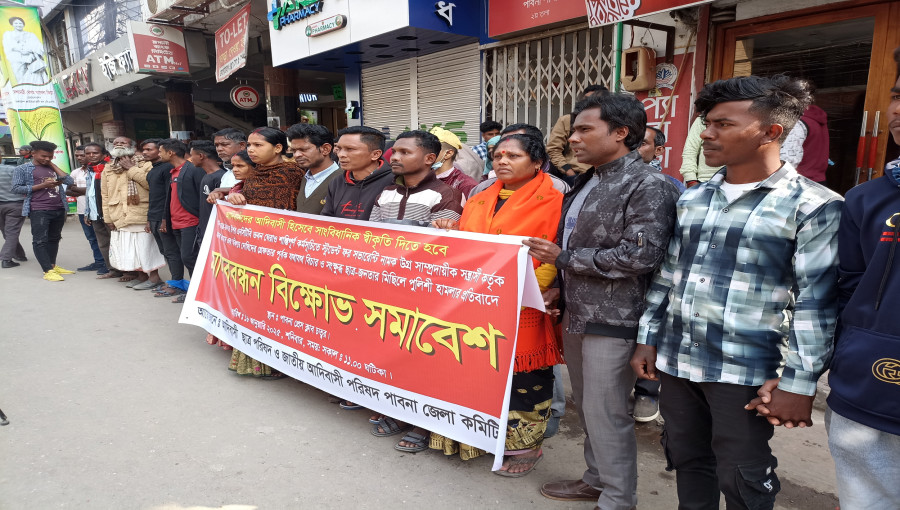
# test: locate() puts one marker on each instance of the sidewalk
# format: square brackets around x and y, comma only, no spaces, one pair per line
[113,405]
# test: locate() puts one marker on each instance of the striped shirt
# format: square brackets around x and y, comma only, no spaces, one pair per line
[748,288]
[430,200]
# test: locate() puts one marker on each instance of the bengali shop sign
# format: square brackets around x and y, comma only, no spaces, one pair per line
[605,12]
[506,16]
[158,48]
[418,324]
[231,44]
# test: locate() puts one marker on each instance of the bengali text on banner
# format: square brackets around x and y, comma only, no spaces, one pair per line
[418,324]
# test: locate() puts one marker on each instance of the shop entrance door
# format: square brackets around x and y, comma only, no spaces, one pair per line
[846,52]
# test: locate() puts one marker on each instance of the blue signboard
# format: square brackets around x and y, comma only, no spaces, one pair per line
[461,17]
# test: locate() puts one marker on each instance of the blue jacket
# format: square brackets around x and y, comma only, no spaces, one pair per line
[23,181]
[865,370]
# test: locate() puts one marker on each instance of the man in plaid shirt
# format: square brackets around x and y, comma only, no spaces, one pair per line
[745,300]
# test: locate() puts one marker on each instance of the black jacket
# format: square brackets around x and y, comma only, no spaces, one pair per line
[158,178]
[352,199]
[189,189]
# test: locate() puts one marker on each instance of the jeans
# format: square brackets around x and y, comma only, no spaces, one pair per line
[46,232]
[867,462]
[168,246]
[101,231]
[92,239]
[11,221]
[558,406]
[714,445]
[185,238]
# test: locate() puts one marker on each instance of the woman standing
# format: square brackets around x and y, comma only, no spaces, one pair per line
[522,202]
[25,54]
[275,183]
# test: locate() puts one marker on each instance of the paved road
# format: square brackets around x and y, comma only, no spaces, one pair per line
[113,405]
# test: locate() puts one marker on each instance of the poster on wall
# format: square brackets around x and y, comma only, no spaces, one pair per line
[158,48]
[32,107]
[231,44]
[668,107]
[605,12]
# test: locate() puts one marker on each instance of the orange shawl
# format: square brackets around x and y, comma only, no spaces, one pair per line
[534,211]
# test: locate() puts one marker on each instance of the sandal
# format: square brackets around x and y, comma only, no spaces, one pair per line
[518,460]
[389,427]
[179,299]
[167,292]
[375,419]
[349,406]
[111,274]
[412,437]
[127,278]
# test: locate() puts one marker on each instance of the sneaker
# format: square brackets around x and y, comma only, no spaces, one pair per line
[645,408]
[103,270]
[93,266]
[23,258]
[145,285]
[53,276]
[60,270]
[10,263]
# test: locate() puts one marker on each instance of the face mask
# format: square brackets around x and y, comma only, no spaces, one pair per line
[437,165]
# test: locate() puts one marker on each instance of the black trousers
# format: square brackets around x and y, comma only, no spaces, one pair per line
[46,232]
[185,238]
[168,246]
[715,445]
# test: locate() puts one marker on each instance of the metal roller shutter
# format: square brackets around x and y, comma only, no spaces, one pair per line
[386,96]
[449,91]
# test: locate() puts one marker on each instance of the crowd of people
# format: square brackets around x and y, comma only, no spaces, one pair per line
[725,295]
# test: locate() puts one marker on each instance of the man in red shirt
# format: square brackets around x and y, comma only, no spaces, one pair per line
[183,196]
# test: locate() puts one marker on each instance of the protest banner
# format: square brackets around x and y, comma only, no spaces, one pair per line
[32,107]
[231,44]
[418,324]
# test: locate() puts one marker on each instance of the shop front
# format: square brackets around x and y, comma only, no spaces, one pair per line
[845,50]
[416,67]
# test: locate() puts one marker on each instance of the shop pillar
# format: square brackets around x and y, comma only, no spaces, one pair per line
[281,96]
[181,110]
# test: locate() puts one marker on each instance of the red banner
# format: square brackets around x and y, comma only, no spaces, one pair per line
[418,324]
[506,16]
[231,44]
[605,12]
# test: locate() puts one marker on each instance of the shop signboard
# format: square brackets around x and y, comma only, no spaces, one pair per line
[507,16]
[605,12]
[244,97]
[32,107]
[668,107]
[158,49]
[231,44]
[285,12]
[326,25]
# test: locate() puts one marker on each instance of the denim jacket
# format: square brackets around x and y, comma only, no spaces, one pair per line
[23,182]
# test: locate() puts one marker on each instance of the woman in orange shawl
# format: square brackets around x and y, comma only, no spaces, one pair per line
[522,202]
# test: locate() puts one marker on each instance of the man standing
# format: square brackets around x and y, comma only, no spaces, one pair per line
[489,129]
[863,417]
[229,142]
[695,169]
[183,196]
[45,203]
[159,179]
[417,197]
[78,190]
[561,154]
[615,225]
[746,298]
[652,148]
[359,150]
[24,155]
[11,220]
[445,167]
[204,156]
[312,146]
[97,159]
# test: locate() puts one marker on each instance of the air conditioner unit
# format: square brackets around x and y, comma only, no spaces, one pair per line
[153,8]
